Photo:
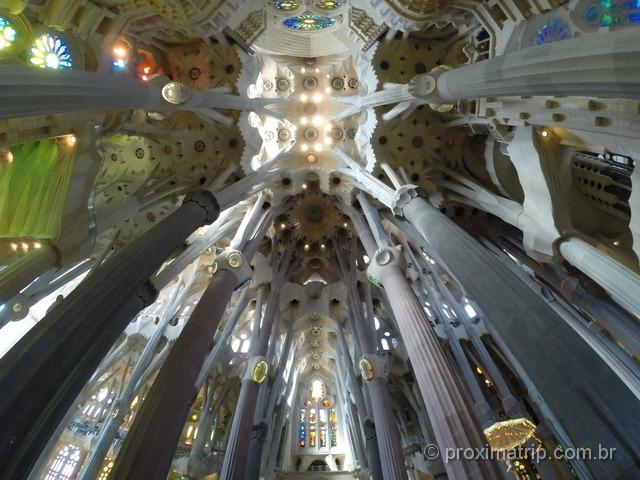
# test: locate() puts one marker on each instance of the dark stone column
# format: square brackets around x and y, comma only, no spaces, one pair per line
[237,455]
[595,406]
[450,417]
[149,446]
[44,372]
[373,454]
[258,436]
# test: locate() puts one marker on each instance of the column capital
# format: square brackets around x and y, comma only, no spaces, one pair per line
[383,259]
[235,262]
[403,196]
[206,200]
[425,87]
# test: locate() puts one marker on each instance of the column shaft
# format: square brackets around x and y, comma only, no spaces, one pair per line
[236,458]
[387,434]
[600,65]
[28,91]
[565,370]
[45,371]
[148,449]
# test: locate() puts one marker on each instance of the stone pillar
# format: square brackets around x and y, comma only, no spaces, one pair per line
[110,427]
[386,428]
[236,458]
[371,447]
[44,372]
[28,91]
[451,420]
[19,274]
[620,283]
[600,65]
[148,449]
[565,370]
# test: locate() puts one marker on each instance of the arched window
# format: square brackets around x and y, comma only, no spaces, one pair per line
[65,463]
[318,426]
[317,389]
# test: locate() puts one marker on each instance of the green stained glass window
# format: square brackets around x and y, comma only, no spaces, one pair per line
[328,4]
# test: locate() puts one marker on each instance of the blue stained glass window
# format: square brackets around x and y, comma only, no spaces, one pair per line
[51,51]
[285,4]
[605,13]
[308,22]
[7,33]
[553,30]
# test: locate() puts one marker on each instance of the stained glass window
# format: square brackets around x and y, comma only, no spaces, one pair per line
[317,424]
[285,5]
[302,433]
[65,463]
[333,428]
[7,33]
[106,469]
[553,30]
[328,4]
[317,389]
[308,22]
[51,51]
[605,13]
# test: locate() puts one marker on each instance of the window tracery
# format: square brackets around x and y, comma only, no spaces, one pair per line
[65,463]
[51,51]
[317,425]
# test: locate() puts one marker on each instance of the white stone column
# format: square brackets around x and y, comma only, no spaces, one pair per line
[600,65]
[28,92]
[620,283]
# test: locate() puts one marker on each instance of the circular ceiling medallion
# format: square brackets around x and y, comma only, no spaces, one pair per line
[310,108]
[352,133]
[283,134]
[310,134]
[337,133]
[353,83]
[282,84]
[337,83]
[310,83]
